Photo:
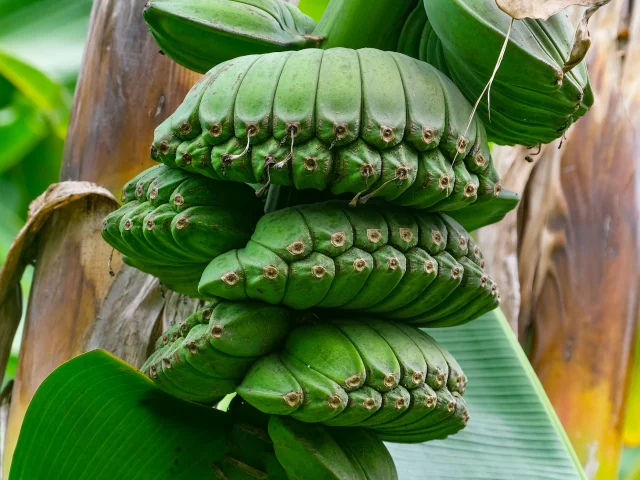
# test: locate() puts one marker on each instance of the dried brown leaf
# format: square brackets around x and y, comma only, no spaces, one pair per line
[22,253]
[542,9]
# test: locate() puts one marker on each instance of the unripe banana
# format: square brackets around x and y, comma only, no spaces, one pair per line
[176,221]
[384,260]
[532,100]
[314,452]
[364,122]
[409,393]
[206,361]
[200,34]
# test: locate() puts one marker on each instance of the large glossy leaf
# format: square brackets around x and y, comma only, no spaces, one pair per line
[97,418]
[513,432]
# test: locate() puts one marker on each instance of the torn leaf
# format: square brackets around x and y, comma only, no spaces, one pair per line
[542,9]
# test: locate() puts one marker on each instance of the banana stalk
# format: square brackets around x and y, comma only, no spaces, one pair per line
[363,23]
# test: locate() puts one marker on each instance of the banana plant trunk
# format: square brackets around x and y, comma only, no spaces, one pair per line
[126,87]
[574,249]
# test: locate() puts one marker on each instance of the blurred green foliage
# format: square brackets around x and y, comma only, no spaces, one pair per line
[41,44]
[313,8]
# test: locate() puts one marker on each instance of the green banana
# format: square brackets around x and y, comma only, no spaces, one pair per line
[261,446]
[383,260]
[174,222]
[481,214]
[330,348]
[532,100]
[314,452]
[203,362]
[322,376]
[362,122]
[200,34]
[411,34]
[131,191]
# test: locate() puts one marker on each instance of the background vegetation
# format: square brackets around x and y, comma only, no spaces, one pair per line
[41,45]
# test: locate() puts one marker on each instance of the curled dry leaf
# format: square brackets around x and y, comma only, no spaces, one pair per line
[23,250]
[543,9]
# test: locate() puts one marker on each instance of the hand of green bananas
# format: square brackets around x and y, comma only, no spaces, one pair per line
[532,100]
[281,448]
[357,371]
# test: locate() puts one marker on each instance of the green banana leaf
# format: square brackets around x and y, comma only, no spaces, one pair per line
[513,432]
[96,417]
[630,464]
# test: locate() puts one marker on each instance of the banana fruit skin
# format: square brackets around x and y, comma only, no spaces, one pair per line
[174,222]
[417,267]
[532,100]
[205,357]
[314,452]
[200,34]
[414,395]
[364,123]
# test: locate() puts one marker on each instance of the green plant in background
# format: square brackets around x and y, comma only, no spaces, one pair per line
[41,43]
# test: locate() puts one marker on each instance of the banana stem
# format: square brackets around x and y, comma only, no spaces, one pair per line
[363,23]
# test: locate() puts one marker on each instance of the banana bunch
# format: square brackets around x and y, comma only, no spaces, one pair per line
[199,34]
[533,98]
[422,268]
[314,452]
[365,372]
[205,357]
[173,223]
[361,122]
[314,309]
[281,448]
[343,372]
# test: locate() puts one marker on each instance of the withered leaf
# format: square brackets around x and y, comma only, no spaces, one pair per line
[542,9]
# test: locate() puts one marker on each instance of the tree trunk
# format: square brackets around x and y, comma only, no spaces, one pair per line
[578,250]
[125,89]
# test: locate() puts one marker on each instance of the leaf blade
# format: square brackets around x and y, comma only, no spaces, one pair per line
[73,412]
[513,431]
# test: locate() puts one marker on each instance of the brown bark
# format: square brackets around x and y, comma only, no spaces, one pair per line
[125,89]
[579,253]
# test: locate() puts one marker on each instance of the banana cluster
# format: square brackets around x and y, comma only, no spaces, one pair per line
[199,34]
[422,268]
[363,122]
[205,357]
[366,372]
[533,98]
[281,448]
[174,222]
[342,372]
